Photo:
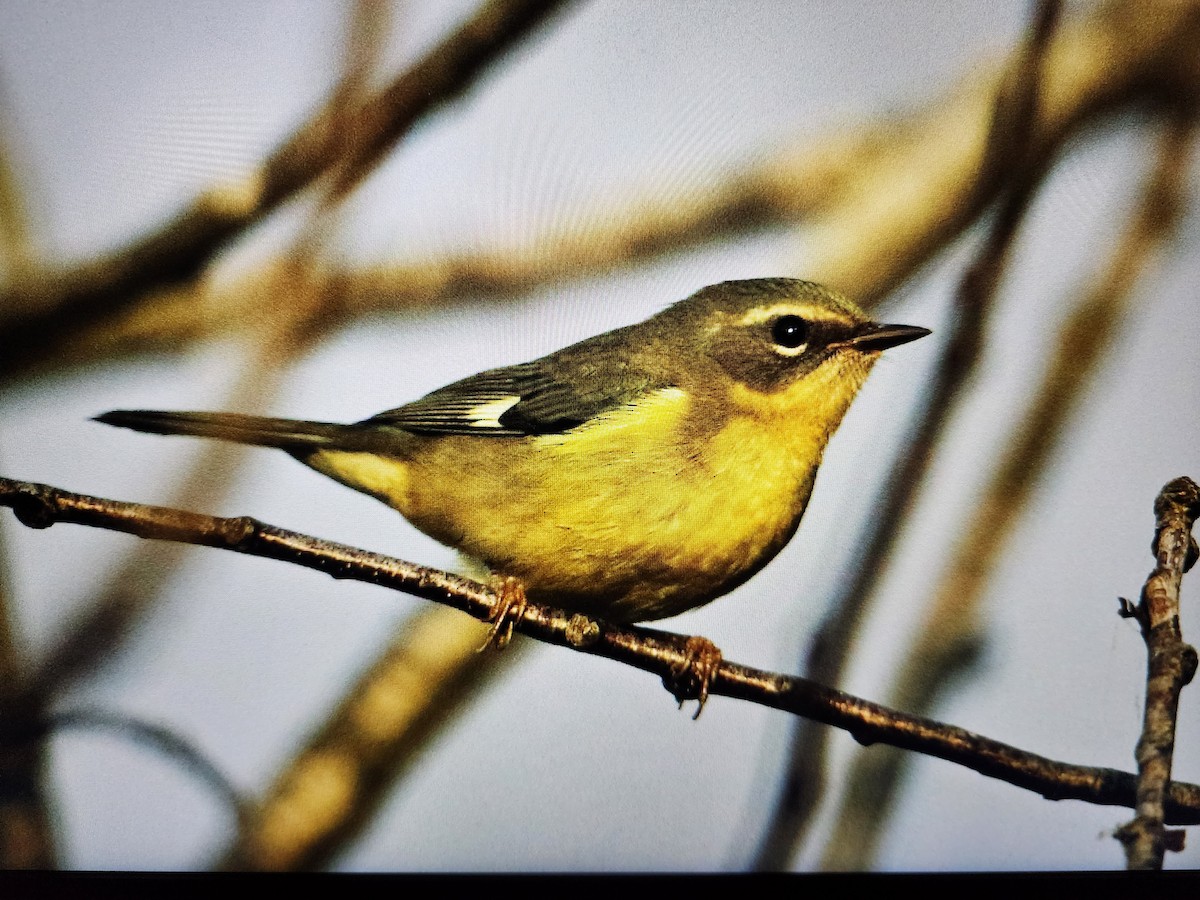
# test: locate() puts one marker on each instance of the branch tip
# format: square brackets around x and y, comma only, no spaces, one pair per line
[1171,664]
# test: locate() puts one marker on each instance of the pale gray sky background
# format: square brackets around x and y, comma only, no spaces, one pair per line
[122,111]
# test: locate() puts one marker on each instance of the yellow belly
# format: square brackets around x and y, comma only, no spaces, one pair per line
[624,518]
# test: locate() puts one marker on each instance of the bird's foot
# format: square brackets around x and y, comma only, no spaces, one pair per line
[510,608]
[690,678]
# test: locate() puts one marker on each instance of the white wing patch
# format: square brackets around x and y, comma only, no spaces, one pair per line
[487,415]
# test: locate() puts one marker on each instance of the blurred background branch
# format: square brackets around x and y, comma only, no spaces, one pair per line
[949,637]
[327,793]
[17,257]
[39,310]
[26,832]
[1007,161]
[880,200]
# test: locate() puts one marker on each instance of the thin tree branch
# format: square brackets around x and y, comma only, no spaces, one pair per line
[1170,665]
[947,637]
[43,310]
[1005,161]
[661,653]
[882,200]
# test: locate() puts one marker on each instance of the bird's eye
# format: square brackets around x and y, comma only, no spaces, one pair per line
[789,332]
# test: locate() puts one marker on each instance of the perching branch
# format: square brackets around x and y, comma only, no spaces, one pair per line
[1170,665]
[44,309]
[661,653]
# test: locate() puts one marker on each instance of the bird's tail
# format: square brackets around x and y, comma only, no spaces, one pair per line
[287,434]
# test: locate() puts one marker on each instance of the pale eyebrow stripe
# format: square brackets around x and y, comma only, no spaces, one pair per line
[805,311]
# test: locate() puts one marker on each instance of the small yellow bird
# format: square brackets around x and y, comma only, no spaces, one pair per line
[632,476]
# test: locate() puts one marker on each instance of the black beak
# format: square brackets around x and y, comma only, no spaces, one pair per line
[873,337]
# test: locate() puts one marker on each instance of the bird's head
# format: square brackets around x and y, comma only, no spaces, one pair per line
[779,347]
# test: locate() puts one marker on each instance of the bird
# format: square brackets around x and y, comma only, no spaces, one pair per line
[631,476]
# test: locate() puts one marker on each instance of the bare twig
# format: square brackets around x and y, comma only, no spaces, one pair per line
[41,311]
[949,628]
[882,200]
[1005,160]
[661,653]
[1170,665]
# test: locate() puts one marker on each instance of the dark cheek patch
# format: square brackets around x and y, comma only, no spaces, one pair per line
[753,361]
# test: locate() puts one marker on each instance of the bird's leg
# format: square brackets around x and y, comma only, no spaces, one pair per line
[510,608]
[691,678]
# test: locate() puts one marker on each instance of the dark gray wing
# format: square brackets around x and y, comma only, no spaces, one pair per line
[546,396]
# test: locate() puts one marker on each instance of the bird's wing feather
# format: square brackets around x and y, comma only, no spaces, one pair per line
[547,396]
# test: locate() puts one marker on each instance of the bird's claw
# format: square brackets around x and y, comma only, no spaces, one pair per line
[691,678]
[507,611]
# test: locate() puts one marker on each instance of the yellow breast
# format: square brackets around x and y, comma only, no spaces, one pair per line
[640,514]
